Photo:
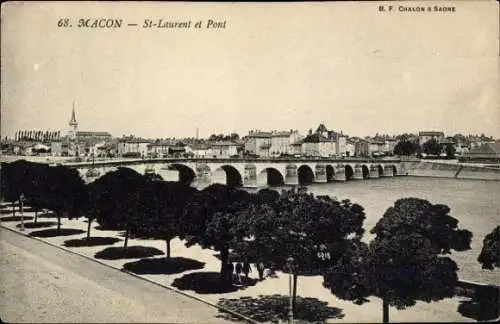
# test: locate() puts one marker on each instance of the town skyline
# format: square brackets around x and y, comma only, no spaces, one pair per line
[360,78]
[62,132]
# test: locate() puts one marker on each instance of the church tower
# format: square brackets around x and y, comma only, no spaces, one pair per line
[73,124]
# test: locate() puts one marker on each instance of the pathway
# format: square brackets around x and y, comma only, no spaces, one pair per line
[40,283]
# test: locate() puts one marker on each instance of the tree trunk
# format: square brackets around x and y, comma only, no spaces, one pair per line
[36,215]
[167,242]
[89,220]
[294,298]
[224,256]
[385,311]
[58,222]
[126,239]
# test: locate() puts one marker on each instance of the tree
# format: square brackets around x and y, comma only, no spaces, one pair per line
[216,137]
[116,200]
[165,204]
[66,193]
[35,186]
[27,178]
[211,219]
[431,147]
[234,137]
[450,151]
[406,261]
[266,196]
[9,182]
[97,205]
[57,188]
[303,227]
[490,253]
[406,147]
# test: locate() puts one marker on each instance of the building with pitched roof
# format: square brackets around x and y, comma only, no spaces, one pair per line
[317,145]
[350,147]
[133,147]
[200,149]
[163,148]
[258,143]
[222,149]
[339,138]
[281,142]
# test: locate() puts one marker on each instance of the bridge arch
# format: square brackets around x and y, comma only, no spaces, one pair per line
[349,172]
[271,176]
[394,169]
[380,169]
[139,168]
[330,172]
[125,168]
[88,178]
[186,174]
[100,173]
[366,171]
[233,176]
[305,174]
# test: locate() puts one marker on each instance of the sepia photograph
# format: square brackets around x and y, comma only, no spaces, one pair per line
[250,162]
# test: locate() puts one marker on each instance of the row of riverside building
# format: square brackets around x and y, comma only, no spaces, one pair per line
[265,144]
[321,143]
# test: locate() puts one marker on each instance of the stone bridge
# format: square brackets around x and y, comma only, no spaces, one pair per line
[251,172]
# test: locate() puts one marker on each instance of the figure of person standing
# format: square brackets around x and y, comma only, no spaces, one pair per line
[246,269]
[260,270]
[230,271]
[239,268]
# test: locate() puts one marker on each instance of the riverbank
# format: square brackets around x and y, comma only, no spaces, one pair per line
[186,279]
[453,170]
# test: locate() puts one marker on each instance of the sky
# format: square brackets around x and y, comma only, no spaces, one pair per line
[274,66]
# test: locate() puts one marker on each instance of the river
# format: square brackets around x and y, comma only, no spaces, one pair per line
[475,203]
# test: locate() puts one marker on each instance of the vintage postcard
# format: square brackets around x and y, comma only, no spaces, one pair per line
[285,162]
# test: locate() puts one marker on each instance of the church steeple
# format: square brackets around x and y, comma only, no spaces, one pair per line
[73,124]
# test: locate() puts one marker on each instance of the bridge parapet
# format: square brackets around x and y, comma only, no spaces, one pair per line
[115,162]
[255,172]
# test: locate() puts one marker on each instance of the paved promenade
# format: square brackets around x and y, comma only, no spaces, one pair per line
[40,283]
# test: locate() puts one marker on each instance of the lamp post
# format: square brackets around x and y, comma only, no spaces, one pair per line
[21,201]
[289,262]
